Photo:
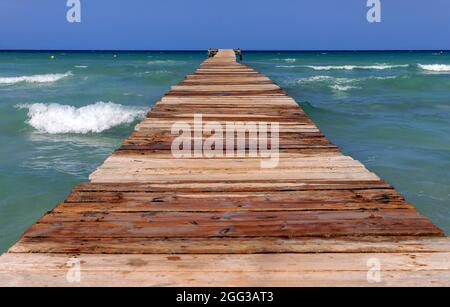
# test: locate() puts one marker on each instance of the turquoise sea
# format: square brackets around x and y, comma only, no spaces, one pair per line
[60,118]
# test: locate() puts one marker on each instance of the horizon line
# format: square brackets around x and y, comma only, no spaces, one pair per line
[204,50]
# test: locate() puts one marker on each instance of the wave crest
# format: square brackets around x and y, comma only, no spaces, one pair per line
[341,84]
[55,118]
[352,67]
[162,62]
[343,88]
[35,78]
[435,67]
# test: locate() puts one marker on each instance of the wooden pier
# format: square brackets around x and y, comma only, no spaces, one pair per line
[146,218]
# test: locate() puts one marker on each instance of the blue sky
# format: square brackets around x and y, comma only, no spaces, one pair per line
[248,24]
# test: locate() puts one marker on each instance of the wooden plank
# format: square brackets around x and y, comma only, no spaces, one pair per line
[405,269]
[261,245]
[235,224]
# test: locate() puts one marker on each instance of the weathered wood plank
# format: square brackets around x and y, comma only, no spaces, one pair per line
[412,269]
[126,245]
[236,224]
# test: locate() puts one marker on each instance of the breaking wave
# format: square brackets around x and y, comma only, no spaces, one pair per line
[352,67]
[341,84]
[35,78]
[55,118]
[435,67]
[163,62]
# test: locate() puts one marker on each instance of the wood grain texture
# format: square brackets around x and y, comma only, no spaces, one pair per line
[314,219]
[257,270]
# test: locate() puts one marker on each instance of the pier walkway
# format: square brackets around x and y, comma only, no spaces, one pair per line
[147,218]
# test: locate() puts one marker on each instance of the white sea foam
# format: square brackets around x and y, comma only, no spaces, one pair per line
[35,78]
[56,118]
[287,66]
[352,67]
[315,79]
[343,88]
[386,77]
[81,66]
[343,80]
[341,84]
[435,67]
[161,62]
[336,84]
[288,60]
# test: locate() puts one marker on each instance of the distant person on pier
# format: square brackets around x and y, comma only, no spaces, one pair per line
[238,53]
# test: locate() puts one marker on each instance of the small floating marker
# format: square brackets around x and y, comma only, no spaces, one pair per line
[52,57]
[115,55]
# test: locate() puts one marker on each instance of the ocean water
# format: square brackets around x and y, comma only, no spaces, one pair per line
[60,118]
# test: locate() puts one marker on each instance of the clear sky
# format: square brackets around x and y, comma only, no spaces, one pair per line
[247,24]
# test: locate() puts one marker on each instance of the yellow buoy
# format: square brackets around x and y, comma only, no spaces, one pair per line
[52,57]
